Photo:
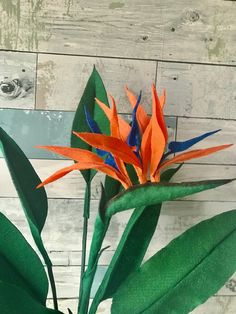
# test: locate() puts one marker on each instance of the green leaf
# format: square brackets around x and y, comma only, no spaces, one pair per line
[14,300]
[94,88]
[185,273]
[168,174]
[154,193]
[19,264]
[25,179]
[34,201]
[130,252]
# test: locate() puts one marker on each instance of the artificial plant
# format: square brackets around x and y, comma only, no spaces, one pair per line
[135,158]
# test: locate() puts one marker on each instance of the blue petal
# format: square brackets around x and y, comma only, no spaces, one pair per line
[91,122]
[175,147]
[134,138]
[111,161]
[94,128]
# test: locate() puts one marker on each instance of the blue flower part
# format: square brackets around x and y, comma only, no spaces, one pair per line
[111,161]
[175,147]
[134,138]
[92,124]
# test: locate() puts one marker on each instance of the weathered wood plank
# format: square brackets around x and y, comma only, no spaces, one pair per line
[17,79]
[195,90]
[72,185]
[62,79]
[63,228]
[202,31]
[190,127]
[33,127]
[214,305]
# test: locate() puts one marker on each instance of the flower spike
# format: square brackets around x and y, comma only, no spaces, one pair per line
[142,144]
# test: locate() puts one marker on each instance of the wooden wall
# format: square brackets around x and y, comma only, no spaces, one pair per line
[187,47]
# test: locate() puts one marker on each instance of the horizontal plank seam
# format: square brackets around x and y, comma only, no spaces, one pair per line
[121,58]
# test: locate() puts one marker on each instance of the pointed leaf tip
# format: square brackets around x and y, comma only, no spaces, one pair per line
[177,146]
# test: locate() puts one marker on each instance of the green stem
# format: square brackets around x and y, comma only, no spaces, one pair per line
[100,230]
[39,243]
[85,233]
[53,286]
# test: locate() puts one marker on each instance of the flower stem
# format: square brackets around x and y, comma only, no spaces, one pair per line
[53,286]
[100,230]
[84,236]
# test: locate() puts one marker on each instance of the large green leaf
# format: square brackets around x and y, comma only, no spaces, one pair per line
[185,273]
[19,264]
[94,88]
[14,300]
[25,180]
[131,248]
[154,193]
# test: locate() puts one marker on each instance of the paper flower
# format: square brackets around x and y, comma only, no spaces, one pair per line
[142,144]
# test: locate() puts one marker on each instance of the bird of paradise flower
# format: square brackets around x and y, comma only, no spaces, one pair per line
[143,144]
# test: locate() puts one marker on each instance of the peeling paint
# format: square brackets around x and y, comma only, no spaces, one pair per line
[116,5]
[21,24]
[46,77]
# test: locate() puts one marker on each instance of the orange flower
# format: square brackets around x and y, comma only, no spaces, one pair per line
[141,144]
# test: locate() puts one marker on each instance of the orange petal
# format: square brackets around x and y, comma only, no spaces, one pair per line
[111,144]
[115,132]
[142,117]
[159,112]
[114,124]
[77,154]
[163,99]
[158,140]
[146,149]
[193,154]
[123,125]
[57,175]
[83,166]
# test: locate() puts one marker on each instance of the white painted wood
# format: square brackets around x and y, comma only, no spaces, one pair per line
[61,80]
[187,31]
[195,90]
[63,228]
[18,76]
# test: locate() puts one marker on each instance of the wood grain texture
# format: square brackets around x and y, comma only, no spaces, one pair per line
[195,90]
[166,30]
[17,72]
[62,79]
[62,231]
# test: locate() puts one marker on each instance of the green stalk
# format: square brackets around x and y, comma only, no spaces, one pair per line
[48,263]
[85,233]
[53,286]
[100,230]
